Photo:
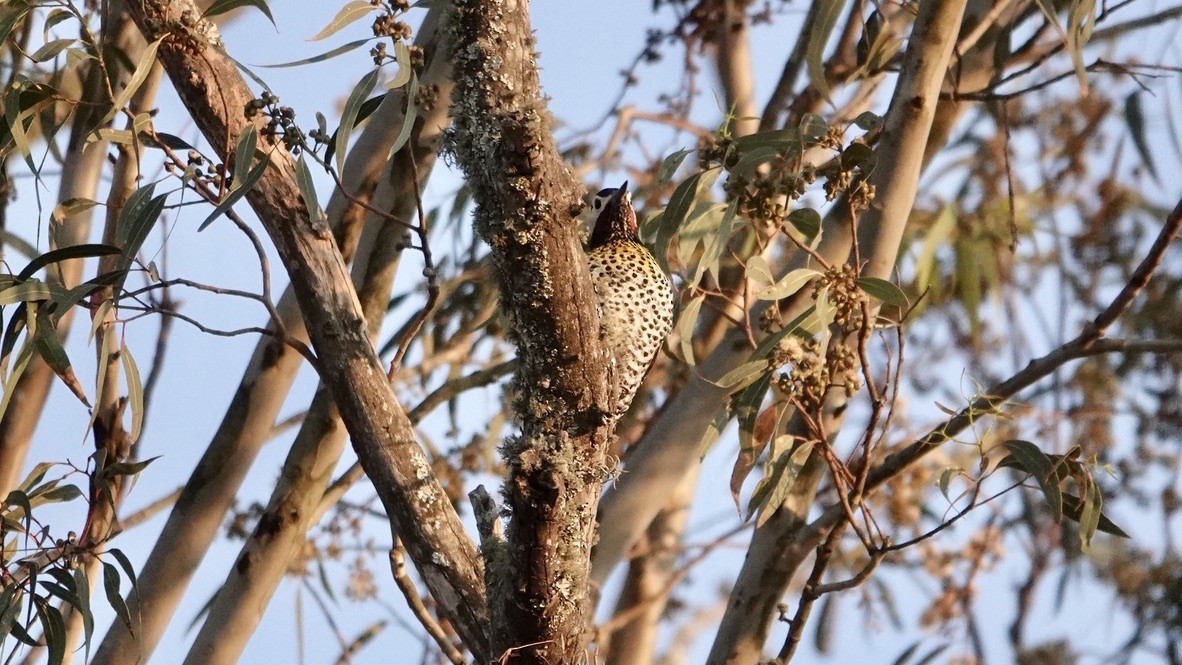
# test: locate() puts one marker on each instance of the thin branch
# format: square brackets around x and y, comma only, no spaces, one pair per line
[1088,343]
[429,272]
[407,587]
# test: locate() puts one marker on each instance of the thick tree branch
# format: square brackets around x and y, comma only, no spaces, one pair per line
[213,91]
[527,200]
[246,425]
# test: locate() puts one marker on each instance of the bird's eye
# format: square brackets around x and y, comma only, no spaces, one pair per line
[597,203]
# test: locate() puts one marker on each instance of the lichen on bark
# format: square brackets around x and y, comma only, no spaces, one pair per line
[526,206]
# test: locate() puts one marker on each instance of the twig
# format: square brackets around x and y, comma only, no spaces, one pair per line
[429,272]
[149,511]
[808,596]
[407,587]
[1137,280]
[299,346]
[456,386]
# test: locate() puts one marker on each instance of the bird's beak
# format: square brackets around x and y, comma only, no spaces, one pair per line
[623,194]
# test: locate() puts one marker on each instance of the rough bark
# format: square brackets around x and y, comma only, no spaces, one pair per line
[527,200]
[214,93]
[279,537]
[198,513]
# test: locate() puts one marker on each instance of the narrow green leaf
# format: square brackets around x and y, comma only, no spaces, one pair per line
[742,375]
[930,657]
[51,49]
[785,141]
[1035,462]
[61,592]
[66,253]
[84,610]
[114,597]
[167,140]
[125,563]
[22,362]
[240,191]
[1089,516]
[685,327]
[135,391]
[349,116]
[937,235]
[127,468]
[680,204]
[351,12]
[308,193]
[968,279]
[883,290]
[670,165]
[48,344]
[19,500]
[402,57]
[22,635]
[409,116]
[34,476]
[700,226]
[750,160]
[807,221]
[62,494]
[783,477]
[712,250]
[244,151]
[10,606]
[53,629]
[85,289]
[29,291]
[746,405]
[758,270]
[327,55]
[1073,510]
[827,13]
[1135,119]
[12,331]
[18,119]
[10,16]
[223,6]
[142,69]
[105,349]
[946,477]
[713,431]
[788,284]
[367,109]
[135,222]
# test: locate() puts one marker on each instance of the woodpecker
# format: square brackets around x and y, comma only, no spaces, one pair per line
[635,295]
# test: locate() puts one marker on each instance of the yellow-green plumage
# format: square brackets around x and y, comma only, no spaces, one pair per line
[635,295]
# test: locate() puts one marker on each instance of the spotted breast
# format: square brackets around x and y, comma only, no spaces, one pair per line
[635,295]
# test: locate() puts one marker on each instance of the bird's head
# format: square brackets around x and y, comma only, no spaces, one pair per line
[614,217]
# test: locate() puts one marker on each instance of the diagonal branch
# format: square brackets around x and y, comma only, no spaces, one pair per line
[213,91]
